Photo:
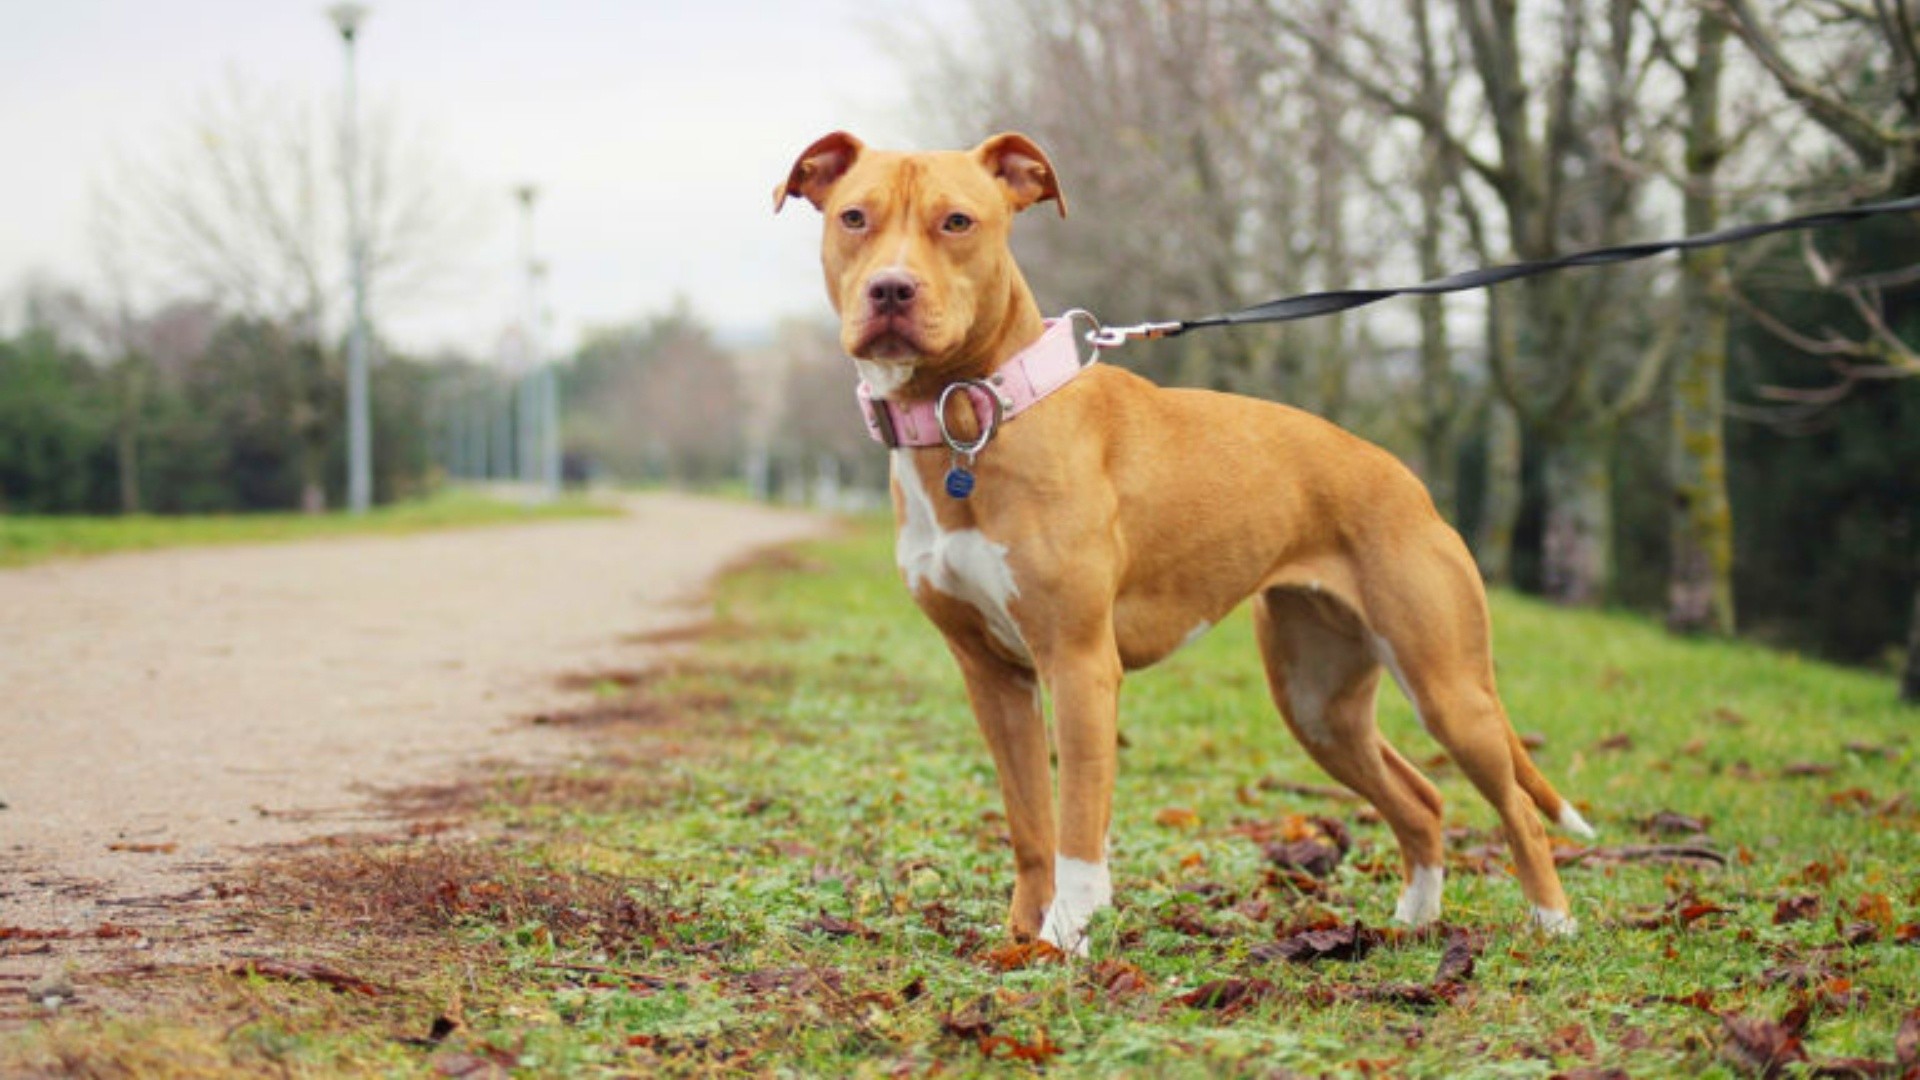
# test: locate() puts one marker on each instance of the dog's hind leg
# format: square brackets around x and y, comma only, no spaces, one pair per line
[1324,675]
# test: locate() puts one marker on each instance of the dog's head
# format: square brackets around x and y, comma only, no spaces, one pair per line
[915,250]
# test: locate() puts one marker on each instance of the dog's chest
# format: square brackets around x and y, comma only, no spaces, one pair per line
[964,564]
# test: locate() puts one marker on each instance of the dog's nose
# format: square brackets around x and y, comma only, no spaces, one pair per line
[891,291]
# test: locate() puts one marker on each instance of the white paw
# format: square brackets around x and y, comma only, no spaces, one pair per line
[1555,923]
[1079,889]
[1420,900]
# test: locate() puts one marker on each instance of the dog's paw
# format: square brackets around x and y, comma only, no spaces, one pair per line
[1420,900]
[1079,890]
[1555,923]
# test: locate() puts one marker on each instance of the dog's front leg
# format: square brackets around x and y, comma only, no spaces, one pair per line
[1006,704]
[1085,684]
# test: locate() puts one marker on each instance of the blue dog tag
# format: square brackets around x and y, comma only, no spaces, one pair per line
[959,482]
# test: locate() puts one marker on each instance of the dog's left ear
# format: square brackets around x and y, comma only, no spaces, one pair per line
[1015,161]
[818,166]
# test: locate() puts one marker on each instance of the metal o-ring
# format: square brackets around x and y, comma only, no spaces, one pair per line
[986,432]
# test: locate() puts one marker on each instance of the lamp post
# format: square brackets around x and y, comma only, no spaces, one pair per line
[347,18]
[531,411]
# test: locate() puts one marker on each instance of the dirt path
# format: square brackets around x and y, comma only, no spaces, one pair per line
[162,713]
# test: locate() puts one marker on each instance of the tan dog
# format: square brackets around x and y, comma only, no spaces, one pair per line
[1117,520]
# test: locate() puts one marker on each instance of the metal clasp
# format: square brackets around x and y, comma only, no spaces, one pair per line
[987,427]
[1112,337]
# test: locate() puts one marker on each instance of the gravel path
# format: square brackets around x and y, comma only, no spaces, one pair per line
[161,713]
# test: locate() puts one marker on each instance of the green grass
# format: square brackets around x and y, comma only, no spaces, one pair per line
[790,863]
[28,539]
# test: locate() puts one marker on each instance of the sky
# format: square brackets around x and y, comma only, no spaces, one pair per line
[655,131]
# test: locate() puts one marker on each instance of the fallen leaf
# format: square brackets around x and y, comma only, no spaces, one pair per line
[1695,854]
[1593,1072]
[1611,743]
[1315,857]
[1807,768]
[1669,823]
[971,1021]
[1352,942]
[1037,1051]
[1855,934]
[1875,908]
[1761,1046]
[1795,909]
[1456,962]
[835,926]
[1119,979]
[1228,995]
[1024,954]
[1573,1040]
[1906,1043]
[145,849]
[1177,817]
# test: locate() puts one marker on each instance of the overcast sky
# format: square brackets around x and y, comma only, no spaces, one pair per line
[656,130]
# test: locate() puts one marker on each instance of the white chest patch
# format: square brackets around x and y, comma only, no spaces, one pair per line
[963,563]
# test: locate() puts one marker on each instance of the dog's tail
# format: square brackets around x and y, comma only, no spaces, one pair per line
[1557,809]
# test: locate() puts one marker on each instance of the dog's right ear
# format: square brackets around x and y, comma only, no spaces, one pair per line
[826,161]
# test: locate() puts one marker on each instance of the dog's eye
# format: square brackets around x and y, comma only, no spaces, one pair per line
[956,223]
[853,219]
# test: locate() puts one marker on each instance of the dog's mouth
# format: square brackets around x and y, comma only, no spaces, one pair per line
[891,338]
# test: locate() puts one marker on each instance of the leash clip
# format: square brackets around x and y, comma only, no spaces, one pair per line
[1112,337]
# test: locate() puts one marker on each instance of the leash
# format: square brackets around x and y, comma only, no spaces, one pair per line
[1309,305]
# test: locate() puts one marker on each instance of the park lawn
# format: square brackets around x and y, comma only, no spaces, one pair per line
[27,539]
[790,861]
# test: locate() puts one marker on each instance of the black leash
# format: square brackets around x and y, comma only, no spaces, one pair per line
[1308,305]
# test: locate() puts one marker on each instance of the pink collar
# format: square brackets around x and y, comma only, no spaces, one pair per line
[1036,371]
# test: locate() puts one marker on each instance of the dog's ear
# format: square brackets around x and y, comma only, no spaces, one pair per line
[1015,161]
[819,166]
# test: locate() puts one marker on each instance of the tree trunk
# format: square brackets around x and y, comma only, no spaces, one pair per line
[1575,549]
[1700,579]
[127,434]
[1493,546]
[1910,681]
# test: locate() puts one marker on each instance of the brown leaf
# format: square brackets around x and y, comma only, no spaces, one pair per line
[1875,908]
[1907,934]
[1593,1072]
[1024,954]
[1177,817]
[1807,768]
[1456,963]
[1315,857]
[1228,995]
[1760,1046]
[1669,823]
[145,849]
[971,1021]
[1856,934]
[835,926]
[1573,1040]
[1189,920]
[1906,1044]
[1037,1051]
[1621,741]
[1352,942]
[1119,979]
[1795,909]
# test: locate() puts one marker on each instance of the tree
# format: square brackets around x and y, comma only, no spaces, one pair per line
[247,202]
[1865,92]
[1700,575]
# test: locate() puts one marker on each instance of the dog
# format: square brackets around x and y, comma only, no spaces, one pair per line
[1062,524]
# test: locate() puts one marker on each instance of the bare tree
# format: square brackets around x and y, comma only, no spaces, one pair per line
[246,205]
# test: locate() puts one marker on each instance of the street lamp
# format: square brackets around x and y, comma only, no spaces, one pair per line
[531,411]
[347,18]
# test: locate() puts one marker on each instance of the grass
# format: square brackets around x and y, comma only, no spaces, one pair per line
[790,862]
[26,539]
